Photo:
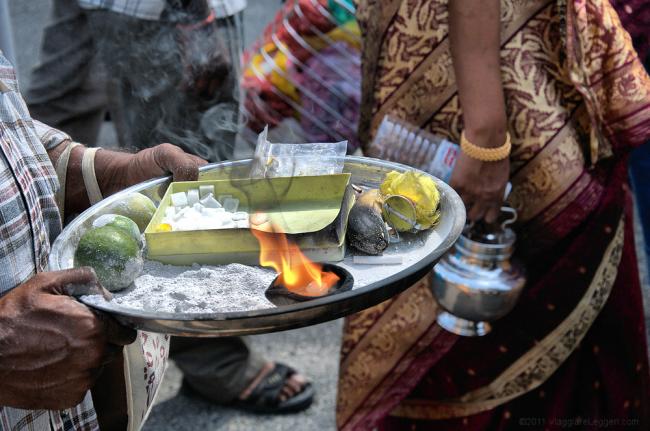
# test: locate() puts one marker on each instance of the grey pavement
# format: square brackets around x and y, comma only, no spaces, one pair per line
[313,350]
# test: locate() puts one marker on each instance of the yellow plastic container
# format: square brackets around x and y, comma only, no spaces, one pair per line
[312,211]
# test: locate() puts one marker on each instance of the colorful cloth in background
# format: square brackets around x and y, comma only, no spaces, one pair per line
[306,67]
[336,95]
[572,353]
[342,10]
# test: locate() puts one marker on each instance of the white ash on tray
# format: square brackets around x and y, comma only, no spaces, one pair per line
[195,289]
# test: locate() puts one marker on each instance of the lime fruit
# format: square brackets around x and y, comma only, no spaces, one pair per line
[113,254]
[120,222]
[137,207]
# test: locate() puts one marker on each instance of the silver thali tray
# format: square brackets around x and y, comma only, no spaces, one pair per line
[373,283]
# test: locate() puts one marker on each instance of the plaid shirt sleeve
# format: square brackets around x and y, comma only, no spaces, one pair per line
[153,9]
[226,8]
[143,9]
[49,136]
[29,220]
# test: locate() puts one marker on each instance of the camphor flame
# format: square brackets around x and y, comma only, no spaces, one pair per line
[297,273]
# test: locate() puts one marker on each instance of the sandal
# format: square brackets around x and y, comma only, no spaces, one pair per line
[265,397]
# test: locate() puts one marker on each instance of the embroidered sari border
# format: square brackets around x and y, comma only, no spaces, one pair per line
[408,318]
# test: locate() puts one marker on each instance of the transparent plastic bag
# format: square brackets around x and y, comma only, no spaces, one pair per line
[306,66]
[293,160]
[402,142]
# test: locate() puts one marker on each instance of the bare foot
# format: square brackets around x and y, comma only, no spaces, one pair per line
[293,386]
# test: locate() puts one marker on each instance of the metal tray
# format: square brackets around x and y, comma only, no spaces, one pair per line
[373,283]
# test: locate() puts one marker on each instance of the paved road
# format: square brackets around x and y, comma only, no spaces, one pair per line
[313,350]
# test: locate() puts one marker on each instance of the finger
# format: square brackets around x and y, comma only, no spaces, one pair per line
[469,202]
[492,214]
[81,279]
[186,172]
[477,211]
[199,161]
[467,198]
[89,288]
[113,352]
[115,333]
[172,159]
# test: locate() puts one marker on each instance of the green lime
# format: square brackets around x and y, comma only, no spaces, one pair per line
[137,207]
[113,253]
[120,222]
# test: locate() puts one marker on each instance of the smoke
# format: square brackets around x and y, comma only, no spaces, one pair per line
[171,81]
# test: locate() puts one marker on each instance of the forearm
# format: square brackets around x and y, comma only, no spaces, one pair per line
[117,170]
[474,33]
[108,165]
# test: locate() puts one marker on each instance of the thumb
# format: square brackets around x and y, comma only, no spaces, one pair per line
[116,333]
[77,282]
[183,166]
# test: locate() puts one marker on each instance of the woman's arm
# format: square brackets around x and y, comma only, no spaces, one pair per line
[474,33]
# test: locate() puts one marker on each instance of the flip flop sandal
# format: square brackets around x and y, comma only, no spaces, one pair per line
[265,398]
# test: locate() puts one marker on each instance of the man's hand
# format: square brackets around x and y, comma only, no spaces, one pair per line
[52,347]
[116,171]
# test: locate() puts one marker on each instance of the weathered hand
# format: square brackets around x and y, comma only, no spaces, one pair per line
[481,185]
[51,346]
[161,160]
[120,170]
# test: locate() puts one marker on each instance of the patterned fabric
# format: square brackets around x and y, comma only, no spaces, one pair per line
[143,9]
[635,17]
[29,221]
[152,9]
[577,99]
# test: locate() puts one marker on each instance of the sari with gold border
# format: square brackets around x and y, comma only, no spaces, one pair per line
[573,350]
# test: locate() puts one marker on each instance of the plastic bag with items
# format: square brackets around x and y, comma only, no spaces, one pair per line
[293,160]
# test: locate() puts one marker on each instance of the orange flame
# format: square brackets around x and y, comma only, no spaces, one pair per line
[297,273]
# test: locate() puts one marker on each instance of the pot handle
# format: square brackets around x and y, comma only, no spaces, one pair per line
[511,220]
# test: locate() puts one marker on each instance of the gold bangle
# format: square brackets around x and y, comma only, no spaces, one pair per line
[485,154]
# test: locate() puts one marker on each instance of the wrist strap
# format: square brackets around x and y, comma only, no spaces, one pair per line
[61,170]
[486,154]
[88,172]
